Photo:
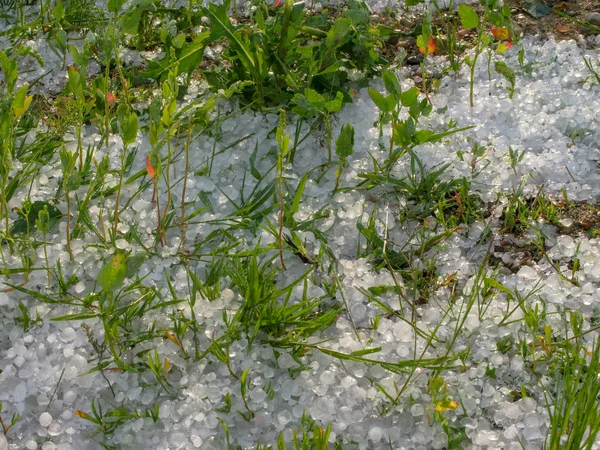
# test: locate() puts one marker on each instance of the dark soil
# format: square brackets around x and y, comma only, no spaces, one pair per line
[554,24]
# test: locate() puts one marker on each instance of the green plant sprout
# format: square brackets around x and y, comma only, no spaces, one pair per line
[6,426]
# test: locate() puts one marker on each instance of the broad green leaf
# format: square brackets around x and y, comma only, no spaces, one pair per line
[21,102]
[132,128]
[380,101]
[179,40]
[314,98]
[344,145]
[130,20]
[410,97]
[59,11]
[403,132]
[423,136]
[468,18]
[114,6]
[112,275]
[335,105]
[192,54]
[128,124]
[385,104]
[43,220]
[392,84]
[339,31]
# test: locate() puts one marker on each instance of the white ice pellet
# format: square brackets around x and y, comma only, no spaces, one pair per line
[69,396]
[375,434]
[68,334]
[20,393]
[45,419]
[286,361]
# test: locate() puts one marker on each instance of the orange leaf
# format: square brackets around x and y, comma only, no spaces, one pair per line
[430,47]
[501,33]
[167,365]
[563,28]
[149,168]
[446,405]
[503,46]
[83,415]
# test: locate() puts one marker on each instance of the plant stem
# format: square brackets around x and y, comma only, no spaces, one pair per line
[185,176]
[69,224]
[119,192]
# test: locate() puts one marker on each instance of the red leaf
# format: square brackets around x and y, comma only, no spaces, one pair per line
[111,98]
[501,33]
[149,168]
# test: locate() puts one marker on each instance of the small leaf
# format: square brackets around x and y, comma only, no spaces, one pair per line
[313,97]
[21,102]
[59,11]
[253,170]
[84,415]
[171,337]
[426,49]
[392,84]
[380,101]
[112,275]
[410,97]
[114,6]
[501,33]
[468,18]
[446,405]
[179,40]
[503,46]
[336,104]
[344,145]
[149,168]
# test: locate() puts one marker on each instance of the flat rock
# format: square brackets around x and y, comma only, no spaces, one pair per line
[593,18]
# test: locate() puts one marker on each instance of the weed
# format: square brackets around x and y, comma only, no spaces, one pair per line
[6,426]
